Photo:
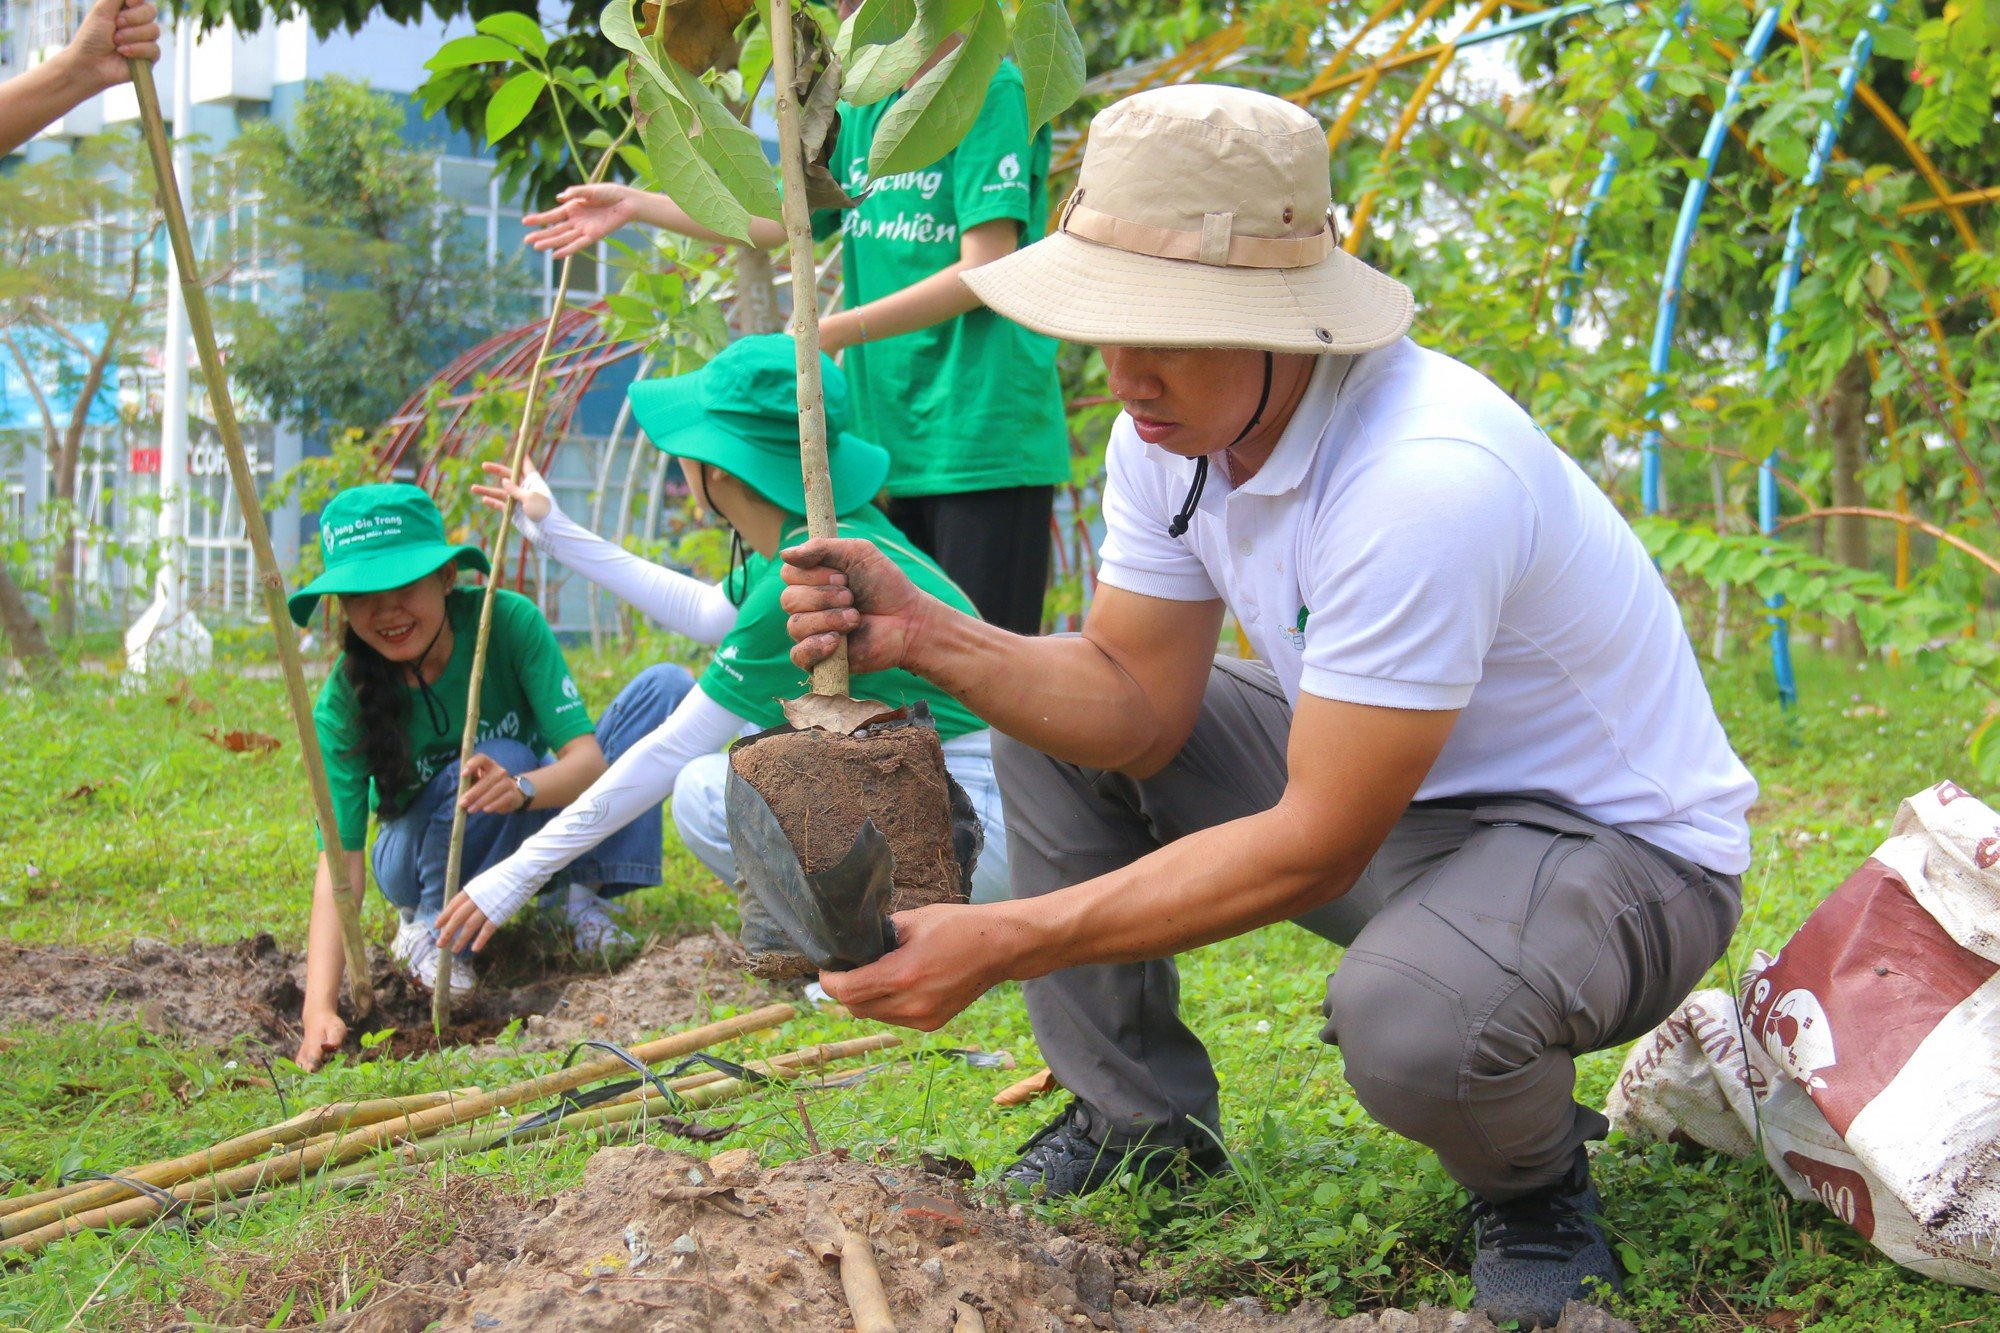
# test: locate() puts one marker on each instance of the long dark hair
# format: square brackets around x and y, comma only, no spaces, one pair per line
[383,700]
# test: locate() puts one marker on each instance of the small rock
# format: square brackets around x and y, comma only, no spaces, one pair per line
[1060,1247]
[1578,1317]
[1397,1321]
[733,1162]
[1095,1280]
[1356,1323]
[1438,1319]
[685,1243]
[933,1269]
[1247,1305]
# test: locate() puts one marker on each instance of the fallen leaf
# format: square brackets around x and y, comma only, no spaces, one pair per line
[241,742]
[836,713]
[182,697]
[82,791]
[1033,1086]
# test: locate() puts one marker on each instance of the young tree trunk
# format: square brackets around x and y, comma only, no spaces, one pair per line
[756,292]
[24,634]
[1847,431]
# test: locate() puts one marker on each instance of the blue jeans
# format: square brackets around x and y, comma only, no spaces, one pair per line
[704,826]
[411,849]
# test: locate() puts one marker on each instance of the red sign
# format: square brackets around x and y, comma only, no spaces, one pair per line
[145,460]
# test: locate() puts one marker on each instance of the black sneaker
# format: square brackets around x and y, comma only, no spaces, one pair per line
[1534,1254]
[1061,1159]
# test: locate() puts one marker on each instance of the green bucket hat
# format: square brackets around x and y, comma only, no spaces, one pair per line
[740,412]
[380,537]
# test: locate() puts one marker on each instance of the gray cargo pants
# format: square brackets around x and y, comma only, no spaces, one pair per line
[1489,942]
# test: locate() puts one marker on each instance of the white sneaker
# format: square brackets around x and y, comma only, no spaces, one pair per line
[416,948]
[593,925]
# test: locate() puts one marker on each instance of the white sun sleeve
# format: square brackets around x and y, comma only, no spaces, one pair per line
[637,780]
[668,598]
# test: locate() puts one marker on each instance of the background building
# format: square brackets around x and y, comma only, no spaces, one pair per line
[236,79]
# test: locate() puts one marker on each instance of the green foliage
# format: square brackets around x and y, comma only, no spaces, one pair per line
[393,285]
[715,169]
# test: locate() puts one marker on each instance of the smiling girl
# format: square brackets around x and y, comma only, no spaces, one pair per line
[391,718]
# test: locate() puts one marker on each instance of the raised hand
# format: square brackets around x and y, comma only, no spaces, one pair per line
[531,492]
[113,32]
[583,216]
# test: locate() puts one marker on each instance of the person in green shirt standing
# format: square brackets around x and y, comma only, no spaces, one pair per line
[967,401]
[391,718]
[734,426]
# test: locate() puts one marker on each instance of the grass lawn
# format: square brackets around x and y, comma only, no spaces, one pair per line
[120,818]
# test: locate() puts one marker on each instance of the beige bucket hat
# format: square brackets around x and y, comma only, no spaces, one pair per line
[1201,218]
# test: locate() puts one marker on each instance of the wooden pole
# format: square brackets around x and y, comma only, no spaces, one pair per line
[455,856]
[830,676]
[360,990]
[304,1161]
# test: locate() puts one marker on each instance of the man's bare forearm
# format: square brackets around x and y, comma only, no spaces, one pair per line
[1064,696]
[1210,885]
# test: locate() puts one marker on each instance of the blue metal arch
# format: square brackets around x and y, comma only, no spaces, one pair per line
[1781,306]
[1677,254]
[1607,172]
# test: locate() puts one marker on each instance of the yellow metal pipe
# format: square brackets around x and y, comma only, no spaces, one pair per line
[1319,85]
[1357,226]
[1989,195]
[1373,75]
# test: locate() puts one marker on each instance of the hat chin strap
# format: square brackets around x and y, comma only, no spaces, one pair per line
[434,708]
[1181,520]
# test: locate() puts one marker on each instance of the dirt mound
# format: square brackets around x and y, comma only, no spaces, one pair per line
[248,991]
[658,1240]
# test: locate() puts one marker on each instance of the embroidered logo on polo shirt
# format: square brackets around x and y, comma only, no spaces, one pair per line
[1010,166]
[1296,635]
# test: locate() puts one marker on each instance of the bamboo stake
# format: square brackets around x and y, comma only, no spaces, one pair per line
[830,676]
[38,1210]
[361,990]
[454,859]
[273,1171]
[862,1282]
[618,1119]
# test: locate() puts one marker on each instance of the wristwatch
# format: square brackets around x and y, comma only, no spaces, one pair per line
[526,787]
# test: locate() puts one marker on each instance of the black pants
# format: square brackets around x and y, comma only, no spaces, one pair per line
[993,544]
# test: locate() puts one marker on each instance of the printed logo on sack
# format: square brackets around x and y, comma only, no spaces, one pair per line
[1987,853]
[1947,792]
[1796,1031]
[1844,1191]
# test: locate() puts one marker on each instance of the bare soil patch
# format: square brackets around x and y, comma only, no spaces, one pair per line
[659,1240]
[250,992]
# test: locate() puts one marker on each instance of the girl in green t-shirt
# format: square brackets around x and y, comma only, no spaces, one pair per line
[391,718]
[734,426]
[968,402]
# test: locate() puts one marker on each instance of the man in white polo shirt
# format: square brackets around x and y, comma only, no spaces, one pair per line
[1476,750]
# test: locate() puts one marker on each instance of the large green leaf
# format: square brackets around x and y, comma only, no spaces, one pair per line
[731,148]
[874,70]
[463,51]
[619,29]
[1051,58]
[683,172]
[512,26]
[934,115]
[880,21]
[510,106]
